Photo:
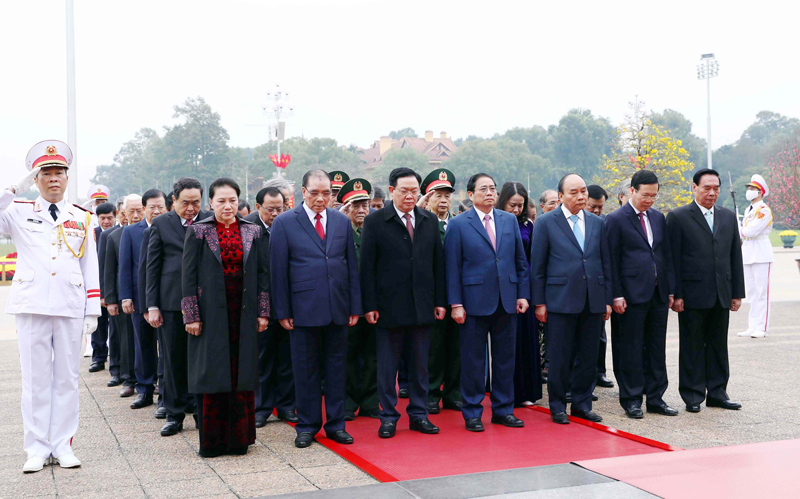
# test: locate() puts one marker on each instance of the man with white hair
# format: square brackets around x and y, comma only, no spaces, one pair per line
[757,256]
[286,189]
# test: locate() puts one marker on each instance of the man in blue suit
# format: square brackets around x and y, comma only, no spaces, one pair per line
[571,288]
[146,358]
[316,293]
[487,286]
[644,282]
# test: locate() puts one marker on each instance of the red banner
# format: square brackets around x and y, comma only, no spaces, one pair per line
[281,162]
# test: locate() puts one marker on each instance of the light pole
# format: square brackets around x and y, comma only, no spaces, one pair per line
[707,69]
[278,107]
[72,189]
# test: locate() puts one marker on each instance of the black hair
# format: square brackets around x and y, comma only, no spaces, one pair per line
[377,193]
[152,194]
[244,204]
[464,205]
[403,172]
[223,182]
[474,180]
[105,209]
[168,201]
[643,177]
[272,192]
[596,192]
[184,183]
[315,173]
[561,182]
[700,173]
[509,190]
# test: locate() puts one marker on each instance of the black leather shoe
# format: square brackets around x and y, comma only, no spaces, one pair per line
[723,404]
[341,437]
[370,413]
[171,428]
[97,366]
[664,410]
[634,412]
[692,407]
[422,425]
[403,393]
[191,409]
[456,405]
[142,400]
[289,417]
[559,417]
[604,382]
[127,391]
[387,429]
[433,407]
[508,420]
[114,381]
[474,424]
[594,398]
[349,416]
[161,413]
[303,440]
[261,421]
[587,415]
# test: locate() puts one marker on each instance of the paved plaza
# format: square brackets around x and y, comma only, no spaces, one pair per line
[123,454]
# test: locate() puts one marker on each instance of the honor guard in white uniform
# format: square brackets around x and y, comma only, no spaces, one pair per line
[55,297]
[757,256]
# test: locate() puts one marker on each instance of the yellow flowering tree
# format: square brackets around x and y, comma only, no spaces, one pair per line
[641,145]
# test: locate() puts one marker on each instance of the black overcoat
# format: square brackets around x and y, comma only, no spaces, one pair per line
[204,300]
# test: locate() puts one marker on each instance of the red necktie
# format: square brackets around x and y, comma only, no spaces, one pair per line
[409,226]
[189,222]
[319,228]
[644,226]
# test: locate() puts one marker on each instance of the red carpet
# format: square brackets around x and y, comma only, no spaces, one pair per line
[766,469]
[454,451]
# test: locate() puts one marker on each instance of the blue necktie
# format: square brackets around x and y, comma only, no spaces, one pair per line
[576,229]
[710,220]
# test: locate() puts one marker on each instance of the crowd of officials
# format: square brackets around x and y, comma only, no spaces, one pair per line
[363,297]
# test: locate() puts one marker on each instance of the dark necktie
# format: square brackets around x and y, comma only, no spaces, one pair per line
[644,225]
[54,212]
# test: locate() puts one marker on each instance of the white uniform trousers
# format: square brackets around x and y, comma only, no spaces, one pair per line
[756,281]
[50,355]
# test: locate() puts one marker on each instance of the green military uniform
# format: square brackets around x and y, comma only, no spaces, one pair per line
[444,358]
[362,356]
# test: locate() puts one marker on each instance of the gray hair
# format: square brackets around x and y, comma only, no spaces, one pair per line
[130,197]
[543,197]
[623,188]
[279,183]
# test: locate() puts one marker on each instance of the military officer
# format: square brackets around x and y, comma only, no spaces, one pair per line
[97,195]
[444,357]
[338,179]
[757,256]
[56,299]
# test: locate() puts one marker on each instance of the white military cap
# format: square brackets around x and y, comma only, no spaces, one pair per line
[759,182]
[98,191]
[49,153]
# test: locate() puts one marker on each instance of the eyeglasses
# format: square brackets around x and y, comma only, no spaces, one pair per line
[649,197]
[316,194]
[485,189]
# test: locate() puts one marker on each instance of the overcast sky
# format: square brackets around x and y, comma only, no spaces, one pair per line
[359,69]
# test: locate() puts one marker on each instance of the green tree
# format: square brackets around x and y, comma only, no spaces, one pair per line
[403,132]
[537,139]
[580,140]
[405,157]
[135,167]
[770,126]
[680,128]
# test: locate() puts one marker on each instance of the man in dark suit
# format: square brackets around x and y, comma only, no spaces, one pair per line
[153,203]
[163,297]
[709,284]
[106,215]
[571,287]
[487,286]
[113,333]
[275,380]
[316,293]
[161,411]
[643,282]
[403,291]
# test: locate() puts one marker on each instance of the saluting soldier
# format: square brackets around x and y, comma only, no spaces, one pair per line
[56,299]
[444,358]
[338,179]
[757,256]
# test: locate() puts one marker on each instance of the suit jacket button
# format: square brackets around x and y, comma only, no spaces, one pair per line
[584,278]
[326,258]
[329,277]
[497,259]
[584,260]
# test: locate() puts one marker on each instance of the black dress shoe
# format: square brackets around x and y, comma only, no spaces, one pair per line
[634,412]
[303,440]
[455,405]
[97,366]
[433,407]
[114,381]
[692,407]
[594,398]
[723,404]
[261,421]
[474,424]
[387,429]
[422,425]
[161,413]
[587,415]
[604,382]
[171,428]
[559,417]
[127,391]
[349,416]
[369,413]
[508,420]
[191,409]
[289,417]
[664,410]
[142,400]
[403,393]
[341,437]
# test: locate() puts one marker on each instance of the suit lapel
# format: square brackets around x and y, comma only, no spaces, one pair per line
[562,222]
[177,223]
[303,220]
[330,229]
[653,216]
[699,218]
[588,223]
[498,229]
[472,216]
[637,224]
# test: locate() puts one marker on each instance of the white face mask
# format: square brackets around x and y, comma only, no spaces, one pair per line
[751,195]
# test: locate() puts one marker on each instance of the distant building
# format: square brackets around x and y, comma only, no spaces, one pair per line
[437,150]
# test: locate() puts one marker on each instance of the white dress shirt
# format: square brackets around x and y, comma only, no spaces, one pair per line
[59,206]
[646,223]
[581,221]
[402,215]
[185,222]
[482,215]
[312,215]
[706,210]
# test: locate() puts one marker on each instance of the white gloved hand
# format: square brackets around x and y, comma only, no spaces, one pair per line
[89,324]
[25,183]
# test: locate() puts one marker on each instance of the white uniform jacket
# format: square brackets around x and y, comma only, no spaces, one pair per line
[50,279]
[755,228]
